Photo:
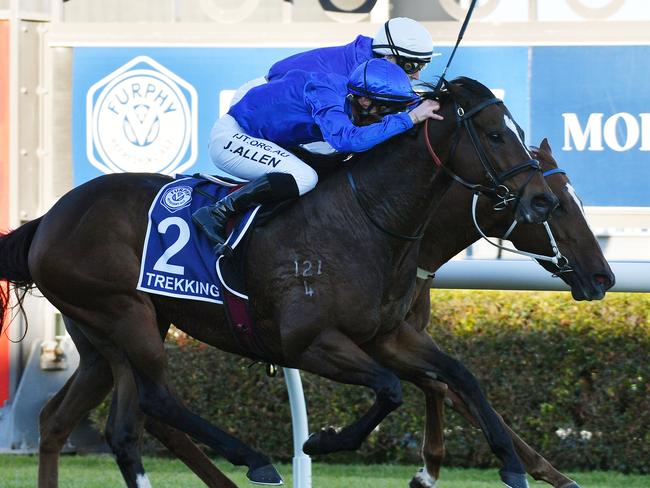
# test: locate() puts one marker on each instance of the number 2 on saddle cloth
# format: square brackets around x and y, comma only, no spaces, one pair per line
[178,260]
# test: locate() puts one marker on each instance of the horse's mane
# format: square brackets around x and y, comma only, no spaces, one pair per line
[465,91]
[471,91]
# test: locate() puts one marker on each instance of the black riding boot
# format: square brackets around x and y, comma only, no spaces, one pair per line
[212,219]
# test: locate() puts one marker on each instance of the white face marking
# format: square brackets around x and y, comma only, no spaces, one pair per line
[143,481]
[510,124]
[576,198]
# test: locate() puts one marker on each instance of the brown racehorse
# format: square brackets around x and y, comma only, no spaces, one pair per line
[589,277]
[84,257]
[586,271]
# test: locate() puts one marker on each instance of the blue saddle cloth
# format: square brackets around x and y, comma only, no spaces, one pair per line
[178,259]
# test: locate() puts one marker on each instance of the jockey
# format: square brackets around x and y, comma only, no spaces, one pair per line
[400,40]
[301,107]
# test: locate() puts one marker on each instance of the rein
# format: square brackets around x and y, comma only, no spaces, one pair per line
[558,259]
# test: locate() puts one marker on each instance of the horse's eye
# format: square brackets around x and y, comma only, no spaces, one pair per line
[495,137]
[560,209]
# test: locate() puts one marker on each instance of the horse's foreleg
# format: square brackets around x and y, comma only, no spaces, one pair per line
[187,451]
[433,445]
[414,357]
[534,463]
[334,356]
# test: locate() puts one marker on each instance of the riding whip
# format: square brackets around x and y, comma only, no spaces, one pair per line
[460,38]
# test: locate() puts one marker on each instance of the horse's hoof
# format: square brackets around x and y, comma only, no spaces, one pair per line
[322,442]
[265,475]
[514,480]
[422,479]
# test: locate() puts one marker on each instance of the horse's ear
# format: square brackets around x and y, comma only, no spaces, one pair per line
[545,146]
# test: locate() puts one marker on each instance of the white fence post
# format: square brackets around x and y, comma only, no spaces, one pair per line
[301,462]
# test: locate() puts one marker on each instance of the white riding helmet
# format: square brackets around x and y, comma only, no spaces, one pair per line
[404,37]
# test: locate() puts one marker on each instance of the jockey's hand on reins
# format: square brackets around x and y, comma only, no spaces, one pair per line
[426,110]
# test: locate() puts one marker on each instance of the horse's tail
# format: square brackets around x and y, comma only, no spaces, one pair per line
[14,248]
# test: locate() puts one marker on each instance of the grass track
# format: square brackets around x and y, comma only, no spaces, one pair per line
[101,472]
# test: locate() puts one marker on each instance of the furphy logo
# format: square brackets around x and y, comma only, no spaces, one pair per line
[176,198]
[141,118]
[620,132]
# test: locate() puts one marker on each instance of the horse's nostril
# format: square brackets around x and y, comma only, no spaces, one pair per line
[603,281]
[544,202]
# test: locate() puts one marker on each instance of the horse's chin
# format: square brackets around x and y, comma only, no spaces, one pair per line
[580,295]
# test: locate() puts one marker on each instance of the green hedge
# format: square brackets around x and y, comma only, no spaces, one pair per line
[571,378]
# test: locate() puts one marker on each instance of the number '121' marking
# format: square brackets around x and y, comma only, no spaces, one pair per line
[307,267]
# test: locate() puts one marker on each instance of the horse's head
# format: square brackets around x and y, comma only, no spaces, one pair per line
[585,269]
[484,131]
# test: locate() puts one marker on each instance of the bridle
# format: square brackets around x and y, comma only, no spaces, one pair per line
[497,190]
[557,258]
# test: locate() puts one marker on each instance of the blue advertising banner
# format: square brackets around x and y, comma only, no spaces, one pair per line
[151,109]
[593,104]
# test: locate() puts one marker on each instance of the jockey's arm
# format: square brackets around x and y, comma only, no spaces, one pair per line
[337,128]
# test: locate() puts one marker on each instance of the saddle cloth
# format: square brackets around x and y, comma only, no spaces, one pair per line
[178,259]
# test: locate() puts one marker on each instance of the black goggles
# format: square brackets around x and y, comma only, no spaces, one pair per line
[410,66]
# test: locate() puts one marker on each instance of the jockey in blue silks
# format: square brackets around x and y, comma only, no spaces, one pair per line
[302,107]
[404,41]
[400,40]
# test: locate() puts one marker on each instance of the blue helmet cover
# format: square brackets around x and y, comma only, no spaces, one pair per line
[379,79]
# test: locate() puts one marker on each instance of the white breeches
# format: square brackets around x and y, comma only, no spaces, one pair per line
[243,156]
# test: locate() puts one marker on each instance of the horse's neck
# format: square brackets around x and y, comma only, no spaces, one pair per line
[451,228]
[399,185]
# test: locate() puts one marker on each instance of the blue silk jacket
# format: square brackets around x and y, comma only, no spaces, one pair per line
[340,60]
[303,107]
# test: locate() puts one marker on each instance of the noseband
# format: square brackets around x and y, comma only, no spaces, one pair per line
[557,258]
